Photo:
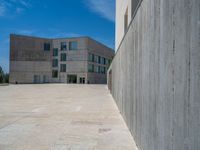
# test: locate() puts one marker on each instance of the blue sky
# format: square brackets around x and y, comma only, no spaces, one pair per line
[55,18]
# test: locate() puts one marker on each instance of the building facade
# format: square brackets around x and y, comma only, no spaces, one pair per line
[65,60]
[155,74]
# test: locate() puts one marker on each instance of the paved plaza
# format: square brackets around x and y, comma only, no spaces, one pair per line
[61,117]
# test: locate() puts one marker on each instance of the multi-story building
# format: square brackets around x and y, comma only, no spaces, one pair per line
[64,60]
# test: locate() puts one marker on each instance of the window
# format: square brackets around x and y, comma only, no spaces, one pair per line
[63,57]
[103,70]
[73,45]
[63,46]
[96,70]
[91,57]
[96,58]
[55,74]
[55,63]
[90,68]
[126,21]
[55,52]
[99,59]
[107,62]
[46,46]
[99,69]
[103,61]
[63,68]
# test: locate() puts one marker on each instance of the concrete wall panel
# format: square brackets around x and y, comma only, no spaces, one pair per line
[156,75]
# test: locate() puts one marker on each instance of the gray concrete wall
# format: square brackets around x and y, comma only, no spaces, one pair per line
[156,75]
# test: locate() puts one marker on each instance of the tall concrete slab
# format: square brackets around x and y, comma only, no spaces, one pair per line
[156,75]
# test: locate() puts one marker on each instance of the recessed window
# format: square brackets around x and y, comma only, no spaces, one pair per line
[91,57]
[63,46]
[46,46]
[90,68]
[55,74]
[99,69]
[107,62]
[63,57]
[63,68]
[99,59]
[96,70]
[55,52]
[103,61]
[55,63]
[126,21]
[73,45]
[96,58]
[103,70]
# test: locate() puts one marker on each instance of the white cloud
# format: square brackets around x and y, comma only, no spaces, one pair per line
[105,8]
[7,7]
[25,3]
[26,32]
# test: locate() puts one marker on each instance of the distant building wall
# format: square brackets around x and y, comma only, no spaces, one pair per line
[156,74]
[28,58]
[63,60]
[98,49]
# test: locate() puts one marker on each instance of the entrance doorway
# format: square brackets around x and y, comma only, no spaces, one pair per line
[82,80]
[72,79]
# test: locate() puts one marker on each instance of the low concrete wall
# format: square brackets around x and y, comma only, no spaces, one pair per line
[156,75]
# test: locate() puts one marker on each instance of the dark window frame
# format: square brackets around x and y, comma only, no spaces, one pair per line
[54,73]
[63,69]
[55,52]
[55,63]
[47,46]
[63,57]
[63,46]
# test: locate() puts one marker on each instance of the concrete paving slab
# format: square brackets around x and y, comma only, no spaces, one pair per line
[61,117]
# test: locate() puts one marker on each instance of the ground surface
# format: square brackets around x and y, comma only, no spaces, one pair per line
[63,117]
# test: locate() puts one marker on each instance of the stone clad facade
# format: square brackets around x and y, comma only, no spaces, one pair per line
[64,60]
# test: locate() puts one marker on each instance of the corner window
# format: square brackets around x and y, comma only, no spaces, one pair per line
[63,68]
[46,46]
[55,52]
[55,74]
[73,45]
[63,57]
[63,46]
[55,63]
